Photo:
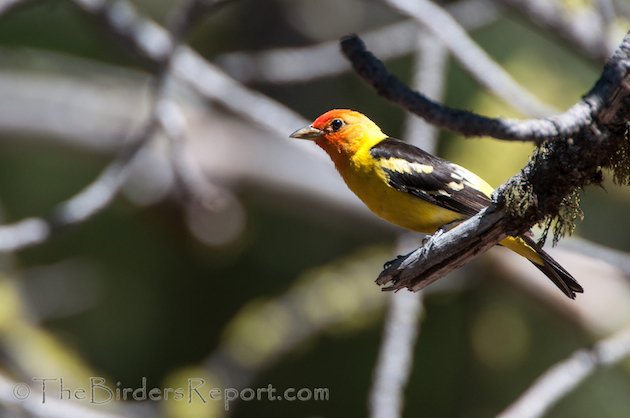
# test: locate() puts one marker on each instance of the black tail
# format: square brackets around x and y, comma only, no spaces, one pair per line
[556,273]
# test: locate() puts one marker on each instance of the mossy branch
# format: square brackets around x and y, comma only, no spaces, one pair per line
[574,149]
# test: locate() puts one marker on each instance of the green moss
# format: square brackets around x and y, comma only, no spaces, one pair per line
[521,197]
[620,160]
[565,221]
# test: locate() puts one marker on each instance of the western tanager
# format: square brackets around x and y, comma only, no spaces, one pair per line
[412,188]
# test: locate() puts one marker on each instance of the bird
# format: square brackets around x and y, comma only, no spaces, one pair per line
[412,188]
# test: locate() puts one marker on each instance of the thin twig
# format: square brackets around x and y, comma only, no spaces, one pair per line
[471,56]
[567,375]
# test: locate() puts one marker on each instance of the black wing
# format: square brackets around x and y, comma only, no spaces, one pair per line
[444,185]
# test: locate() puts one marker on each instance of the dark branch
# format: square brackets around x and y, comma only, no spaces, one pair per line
[585,139]
[565,166]
[445,252]
[372,70]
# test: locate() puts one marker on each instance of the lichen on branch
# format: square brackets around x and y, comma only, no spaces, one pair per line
[620,160]
[574,149]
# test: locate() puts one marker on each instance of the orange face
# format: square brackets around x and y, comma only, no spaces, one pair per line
[340,130]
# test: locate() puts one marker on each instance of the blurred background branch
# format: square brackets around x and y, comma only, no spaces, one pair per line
[297,65]
[586,29]
[212,246]
[563,377]
[402,323]
[472,57]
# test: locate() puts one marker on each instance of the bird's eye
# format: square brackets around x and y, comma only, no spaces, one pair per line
[336,124]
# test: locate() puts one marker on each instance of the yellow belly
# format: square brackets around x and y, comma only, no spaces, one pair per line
[410,212]
[399,208]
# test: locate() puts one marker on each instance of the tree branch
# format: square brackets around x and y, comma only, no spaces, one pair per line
[567,375]
[587,136]
[445,252]
[372,70]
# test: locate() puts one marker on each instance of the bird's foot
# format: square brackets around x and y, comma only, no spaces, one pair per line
[427,243]
[439,232]
[393,261]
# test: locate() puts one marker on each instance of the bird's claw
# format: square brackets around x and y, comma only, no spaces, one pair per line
[393,261]
[427,241]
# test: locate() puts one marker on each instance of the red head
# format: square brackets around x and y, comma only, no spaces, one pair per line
[341,131]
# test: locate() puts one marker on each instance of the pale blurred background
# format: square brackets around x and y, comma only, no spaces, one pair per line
[235,254]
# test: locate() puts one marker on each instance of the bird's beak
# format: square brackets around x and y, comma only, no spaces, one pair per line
[307,132]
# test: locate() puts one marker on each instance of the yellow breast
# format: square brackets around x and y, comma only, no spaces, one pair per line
[370,183]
